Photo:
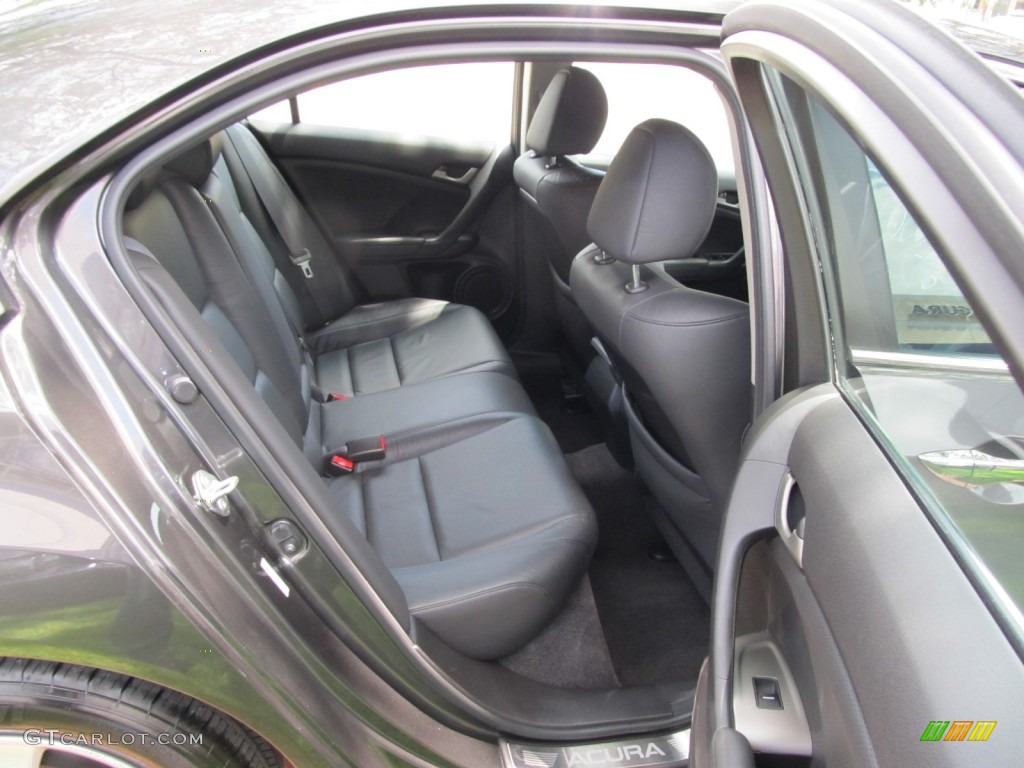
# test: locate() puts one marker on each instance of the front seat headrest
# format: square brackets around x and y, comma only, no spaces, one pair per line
[571,115]
[658,198]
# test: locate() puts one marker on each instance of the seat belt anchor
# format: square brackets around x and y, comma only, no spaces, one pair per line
[356,452]
[301,260]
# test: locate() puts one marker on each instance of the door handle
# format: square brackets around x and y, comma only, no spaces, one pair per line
[791,532]
[973,468]
[445,173]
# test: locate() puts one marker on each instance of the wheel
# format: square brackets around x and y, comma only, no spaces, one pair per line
[66,716]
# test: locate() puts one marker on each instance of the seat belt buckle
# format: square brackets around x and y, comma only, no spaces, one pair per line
[301,260]
[339,465]
[366,449]
[333,396]
[356,452]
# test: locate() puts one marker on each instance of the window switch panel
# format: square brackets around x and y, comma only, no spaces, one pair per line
[767,694]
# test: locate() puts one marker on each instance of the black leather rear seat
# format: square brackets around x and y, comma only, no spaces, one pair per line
[473,510]
[359,348]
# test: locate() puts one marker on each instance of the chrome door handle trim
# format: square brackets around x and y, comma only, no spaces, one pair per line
[971,468]
[792,538]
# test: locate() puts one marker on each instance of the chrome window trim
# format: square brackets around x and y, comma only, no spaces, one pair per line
[930,363]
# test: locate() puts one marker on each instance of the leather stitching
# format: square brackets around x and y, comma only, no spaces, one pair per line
[481,593]
[430,507]
[643,200]
[394,359]
[694,324]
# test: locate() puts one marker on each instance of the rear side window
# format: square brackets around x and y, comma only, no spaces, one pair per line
[469,102]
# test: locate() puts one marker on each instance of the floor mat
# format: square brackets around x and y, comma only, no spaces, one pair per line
[655,622]
[571,652]
[574,429]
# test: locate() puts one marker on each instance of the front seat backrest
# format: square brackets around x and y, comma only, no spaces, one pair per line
[569,121]
[684,354]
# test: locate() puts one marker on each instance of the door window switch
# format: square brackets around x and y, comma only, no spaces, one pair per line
[767,694]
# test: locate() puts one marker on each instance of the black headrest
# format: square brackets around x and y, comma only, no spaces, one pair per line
[195,163]
[571,115]
[658,198]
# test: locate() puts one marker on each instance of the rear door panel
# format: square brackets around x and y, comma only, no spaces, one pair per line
[835,548]
[877,624]
[411,215]
[367,184]
[408,173]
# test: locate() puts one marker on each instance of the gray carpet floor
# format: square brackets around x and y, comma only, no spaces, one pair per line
[656,625]
[635,620]
[571,652]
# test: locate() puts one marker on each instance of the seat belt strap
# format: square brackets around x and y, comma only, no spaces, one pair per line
[282,209]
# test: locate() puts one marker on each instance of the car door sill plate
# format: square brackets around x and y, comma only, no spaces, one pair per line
[671,750]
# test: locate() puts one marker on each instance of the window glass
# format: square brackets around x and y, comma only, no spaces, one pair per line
[276,113]
[638,92]
[912,356]
[469,102]
[930,310]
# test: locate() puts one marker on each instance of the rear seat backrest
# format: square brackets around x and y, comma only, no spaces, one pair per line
[221,190]
[177,226]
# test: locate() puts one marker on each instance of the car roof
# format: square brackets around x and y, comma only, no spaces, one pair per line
[71,68]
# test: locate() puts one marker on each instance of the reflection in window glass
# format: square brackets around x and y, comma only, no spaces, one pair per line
[930,310]
[638,92]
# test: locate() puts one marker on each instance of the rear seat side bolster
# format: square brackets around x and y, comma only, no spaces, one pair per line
[197,329]
[233,291]
[250,251]
[273,434]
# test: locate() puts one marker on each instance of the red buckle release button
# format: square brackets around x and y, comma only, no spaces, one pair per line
[342,464]
[336,396]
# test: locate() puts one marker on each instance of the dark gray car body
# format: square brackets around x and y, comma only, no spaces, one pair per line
[105,560]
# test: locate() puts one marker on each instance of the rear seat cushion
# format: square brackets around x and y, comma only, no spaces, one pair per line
[391,344]
[487,534]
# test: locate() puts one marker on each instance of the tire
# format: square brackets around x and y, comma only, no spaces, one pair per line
[66,716]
